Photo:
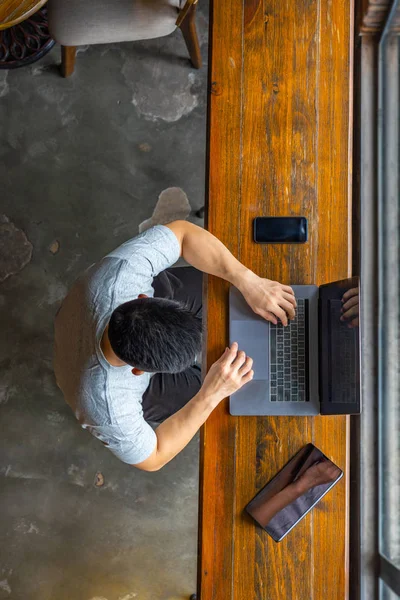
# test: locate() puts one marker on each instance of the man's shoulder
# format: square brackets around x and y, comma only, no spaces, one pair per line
[113,386]
[111,404]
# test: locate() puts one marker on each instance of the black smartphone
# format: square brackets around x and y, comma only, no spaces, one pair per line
[294,491]
[280,230]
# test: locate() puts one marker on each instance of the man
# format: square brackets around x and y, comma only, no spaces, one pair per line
[124,357]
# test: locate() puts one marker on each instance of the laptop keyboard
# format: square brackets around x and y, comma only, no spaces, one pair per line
[289,358]
[343,364]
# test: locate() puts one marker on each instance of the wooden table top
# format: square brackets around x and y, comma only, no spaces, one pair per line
[279,143]
[15,11]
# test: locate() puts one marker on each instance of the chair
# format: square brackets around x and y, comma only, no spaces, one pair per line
[74,23]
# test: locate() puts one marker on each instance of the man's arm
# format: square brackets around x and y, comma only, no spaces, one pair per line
[225,377]
[204,251]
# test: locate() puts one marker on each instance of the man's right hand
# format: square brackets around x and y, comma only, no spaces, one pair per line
[227,375]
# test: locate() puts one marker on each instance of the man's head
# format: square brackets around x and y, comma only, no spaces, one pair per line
[155,335]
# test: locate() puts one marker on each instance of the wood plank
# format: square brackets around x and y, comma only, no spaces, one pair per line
[279,144]
[217,477]
[277,179]
[330,517]
[334,260]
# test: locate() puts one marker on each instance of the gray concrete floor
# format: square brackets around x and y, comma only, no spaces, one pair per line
[83,161]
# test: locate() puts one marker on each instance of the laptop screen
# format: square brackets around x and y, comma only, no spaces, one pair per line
[340,347]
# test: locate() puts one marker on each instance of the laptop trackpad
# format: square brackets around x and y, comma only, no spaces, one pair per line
[253,338]
[252,399]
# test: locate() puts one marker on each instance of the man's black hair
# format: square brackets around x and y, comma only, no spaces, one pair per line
[155,335]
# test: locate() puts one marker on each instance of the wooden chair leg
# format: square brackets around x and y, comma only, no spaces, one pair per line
[188,28]
[68,54]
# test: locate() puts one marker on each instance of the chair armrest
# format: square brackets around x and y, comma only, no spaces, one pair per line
[184,11]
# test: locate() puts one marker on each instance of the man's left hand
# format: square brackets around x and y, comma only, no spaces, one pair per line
[351,308]
[269,299]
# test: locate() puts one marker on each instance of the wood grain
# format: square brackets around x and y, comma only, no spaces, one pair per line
[278,144]
[218,440]
[15,11]
[68,57]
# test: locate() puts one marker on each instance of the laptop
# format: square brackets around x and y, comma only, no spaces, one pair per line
[310,367]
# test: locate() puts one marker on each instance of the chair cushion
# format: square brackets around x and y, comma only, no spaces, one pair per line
[81,22]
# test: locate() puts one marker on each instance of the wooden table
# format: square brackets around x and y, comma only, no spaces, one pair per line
[24,37]
[279,144]
[15,11]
